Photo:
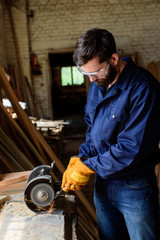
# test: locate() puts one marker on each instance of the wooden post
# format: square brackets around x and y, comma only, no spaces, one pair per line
[8,3]
[32,97]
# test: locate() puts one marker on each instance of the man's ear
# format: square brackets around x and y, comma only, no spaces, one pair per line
[114,59]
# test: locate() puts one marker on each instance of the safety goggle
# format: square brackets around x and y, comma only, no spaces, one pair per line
[100,73]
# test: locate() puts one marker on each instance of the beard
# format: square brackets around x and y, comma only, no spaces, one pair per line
[108,79]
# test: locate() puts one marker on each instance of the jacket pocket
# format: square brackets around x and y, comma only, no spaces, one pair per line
[117,114]
[113,123]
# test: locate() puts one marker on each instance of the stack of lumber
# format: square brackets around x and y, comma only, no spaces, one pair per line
[154,68]
[23,147]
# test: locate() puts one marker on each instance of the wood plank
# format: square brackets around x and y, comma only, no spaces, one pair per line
[152,69]
[19,61]
[11,74]
[158,70]
[157,172]
[22,135]
[33,99]
[5,163]
[14,150]
[10,178]
[9,160]
[13,187]
[22,116]
[17,88]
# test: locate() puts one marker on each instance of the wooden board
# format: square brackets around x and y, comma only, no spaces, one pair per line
[11,178]
[152,69]
[157,171]
[13,188]
[158,70]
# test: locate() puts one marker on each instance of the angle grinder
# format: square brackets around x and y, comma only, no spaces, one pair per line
[41,191]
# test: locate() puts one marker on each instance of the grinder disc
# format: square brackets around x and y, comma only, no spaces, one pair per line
[42,194]
[39,194]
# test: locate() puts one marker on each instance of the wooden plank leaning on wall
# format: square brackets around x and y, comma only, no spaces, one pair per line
[39,143]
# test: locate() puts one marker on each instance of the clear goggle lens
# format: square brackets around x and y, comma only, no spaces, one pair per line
[101,73]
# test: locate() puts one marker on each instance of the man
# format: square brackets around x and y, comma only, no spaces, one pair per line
[121,147]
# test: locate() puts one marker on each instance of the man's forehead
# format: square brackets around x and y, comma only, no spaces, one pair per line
[92,65]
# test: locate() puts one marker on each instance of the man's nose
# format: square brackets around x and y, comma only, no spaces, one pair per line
[92,78]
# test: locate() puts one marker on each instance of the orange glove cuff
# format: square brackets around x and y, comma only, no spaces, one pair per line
[81,168]
[72,161]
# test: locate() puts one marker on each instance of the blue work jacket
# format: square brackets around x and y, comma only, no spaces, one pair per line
[123,125]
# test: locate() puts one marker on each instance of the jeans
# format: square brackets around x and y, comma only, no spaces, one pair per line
[127,210]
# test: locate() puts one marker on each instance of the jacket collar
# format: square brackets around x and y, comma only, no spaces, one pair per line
[124,76]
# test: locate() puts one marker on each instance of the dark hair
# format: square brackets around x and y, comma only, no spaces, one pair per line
[94,42]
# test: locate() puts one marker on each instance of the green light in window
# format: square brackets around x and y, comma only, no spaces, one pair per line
[71,76]
[66,78]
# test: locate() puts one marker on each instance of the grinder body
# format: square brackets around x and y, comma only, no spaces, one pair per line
[41,190]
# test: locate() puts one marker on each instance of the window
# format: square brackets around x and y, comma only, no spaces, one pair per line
[71,76]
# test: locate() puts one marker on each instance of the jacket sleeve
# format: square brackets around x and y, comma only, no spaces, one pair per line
[85,148]
[136,141]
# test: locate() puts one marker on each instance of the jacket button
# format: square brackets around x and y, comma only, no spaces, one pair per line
[115,91]
[113,116]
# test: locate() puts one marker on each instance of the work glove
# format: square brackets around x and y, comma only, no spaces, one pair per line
[70,164]
[72,161]
[76,176]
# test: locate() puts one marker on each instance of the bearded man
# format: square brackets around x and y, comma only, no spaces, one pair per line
[121,147]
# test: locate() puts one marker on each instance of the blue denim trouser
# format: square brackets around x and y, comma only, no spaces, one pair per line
[127,210]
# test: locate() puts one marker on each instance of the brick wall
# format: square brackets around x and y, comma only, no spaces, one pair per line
[57,25]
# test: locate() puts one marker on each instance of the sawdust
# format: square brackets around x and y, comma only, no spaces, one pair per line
[19,208]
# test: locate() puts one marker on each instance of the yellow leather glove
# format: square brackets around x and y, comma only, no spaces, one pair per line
[76,176]
[70,164]
[72,161]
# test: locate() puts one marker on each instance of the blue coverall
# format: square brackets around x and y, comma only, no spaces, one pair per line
[122,146]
